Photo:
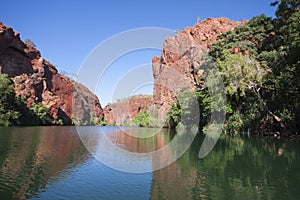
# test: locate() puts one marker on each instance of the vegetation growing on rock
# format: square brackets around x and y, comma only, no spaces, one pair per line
[13,109]
[259,63]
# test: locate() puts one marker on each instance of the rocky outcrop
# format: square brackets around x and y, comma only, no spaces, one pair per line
[39,81]
[181,56]
[124,111]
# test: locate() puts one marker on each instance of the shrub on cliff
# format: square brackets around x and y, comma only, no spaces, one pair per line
[14,111]
[94,120]
[30,42]
[41,114]
[142,119]
[174,115]
[8,114]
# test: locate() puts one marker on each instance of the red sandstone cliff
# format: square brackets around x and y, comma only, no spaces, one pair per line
[39,81]
[177,66]
[175,69]
[124,111]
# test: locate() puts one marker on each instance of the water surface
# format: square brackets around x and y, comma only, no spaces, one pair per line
[52,163]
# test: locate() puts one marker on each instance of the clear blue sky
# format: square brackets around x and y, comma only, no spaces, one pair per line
[65,31]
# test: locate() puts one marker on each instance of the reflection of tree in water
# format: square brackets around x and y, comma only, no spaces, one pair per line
[28,160]
[237,168]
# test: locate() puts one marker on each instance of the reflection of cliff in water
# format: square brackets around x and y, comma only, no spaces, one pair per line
[140,140]
[31,157]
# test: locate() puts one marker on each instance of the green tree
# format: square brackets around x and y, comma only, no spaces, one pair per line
[283,56]
[241,73]
[27,117]
[142,119]
[30,42]
[184,110]
[41,113]
[8,114]
[93,120]
[248,38]
[174,115]
[261,80]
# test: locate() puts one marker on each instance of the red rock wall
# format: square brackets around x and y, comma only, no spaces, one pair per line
[125,110]
[39,81]
[177,66]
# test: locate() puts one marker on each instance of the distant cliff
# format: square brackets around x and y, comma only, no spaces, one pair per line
[39,81]
[124,111]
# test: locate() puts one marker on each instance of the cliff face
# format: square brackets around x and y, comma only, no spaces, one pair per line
[125,110]
[177,66]
[175,69]
[39,81]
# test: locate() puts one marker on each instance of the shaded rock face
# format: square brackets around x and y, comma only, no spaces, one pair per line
[39,81]
[125,110]
[181,56]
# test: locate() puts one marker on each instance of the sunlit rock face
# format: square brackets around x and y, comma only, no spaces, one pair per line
[39,81]
[181,55]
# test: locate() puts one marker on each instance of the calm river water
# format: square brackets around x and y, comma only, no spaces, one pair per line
[52,163]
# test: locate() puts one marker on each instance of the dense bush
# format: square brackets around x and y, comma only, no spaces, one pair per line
[8,114]
[14,111]
[260,66]
[142,119]
[40,114]
[262,85]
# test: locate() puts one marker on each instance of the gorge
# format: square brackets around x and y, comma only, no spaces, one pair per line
[257,60]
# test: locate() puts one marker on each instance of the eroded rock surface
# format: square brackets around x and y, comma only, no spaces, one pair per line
[39,81]
[177,67]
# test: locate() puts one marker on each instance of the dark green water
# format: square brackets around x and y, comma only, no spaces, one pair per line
[52,163]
